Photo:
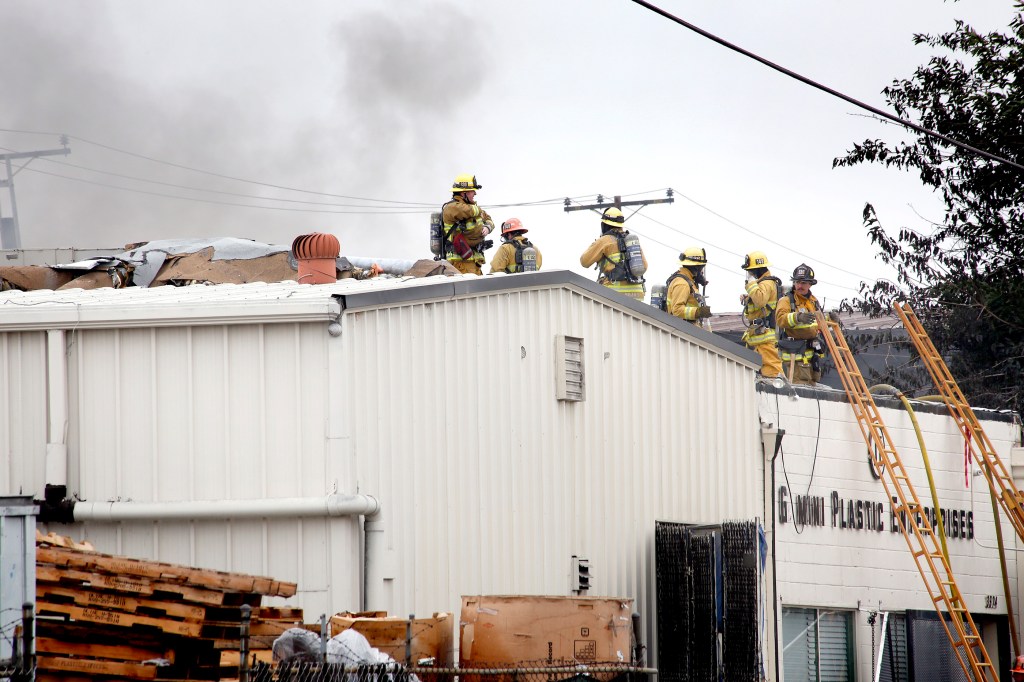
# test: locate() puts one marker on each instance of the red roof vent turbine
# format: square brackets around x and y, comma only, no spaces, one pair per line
[316,255]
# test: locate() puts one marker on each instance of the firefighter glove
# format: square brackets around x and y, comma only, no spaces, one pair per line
[834,316]
[804,317]
[703,312]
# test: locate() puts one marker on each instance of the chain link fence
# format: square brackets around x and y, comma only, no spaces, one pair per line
[327,672]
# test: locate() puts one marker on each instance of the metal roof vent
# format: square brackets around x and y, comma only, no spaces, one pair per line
[316,255]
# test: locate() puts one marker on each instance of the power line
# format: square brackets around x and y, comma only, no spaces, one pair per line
[199,189]
[712,264]
[770,241]
[422,205]
[384,210]
[373,210]
[541,202]
[215,174]
[835,93]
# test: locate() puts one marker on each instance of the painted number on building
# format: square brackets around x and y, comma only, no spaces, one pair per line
[991,601]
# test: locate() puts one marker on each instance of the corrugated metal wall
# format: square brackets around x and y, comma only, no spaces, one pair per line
[489,484]
[210,413]
[444,410]
[23,417]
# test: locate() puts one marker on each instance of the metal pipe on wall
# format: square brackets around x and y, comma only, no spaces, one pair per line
[331,505]
[56,464]
[286,507]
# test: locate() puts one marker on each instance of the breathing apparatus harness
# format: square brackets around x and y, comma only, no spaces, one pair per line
[519,245]
[448,242]
[620,271]
[808,348]
[698,280]
[760,325]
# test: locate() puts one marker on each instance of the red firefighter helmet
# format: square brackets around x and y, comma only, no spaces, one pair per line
[512,226]
[1017,672]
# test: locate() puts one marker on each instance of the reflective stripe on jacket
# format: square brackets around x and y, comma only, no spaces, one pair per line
[762,299]
[681,298]
[505,258]
[462,217]
[631,289]
[606,254]
[785,316]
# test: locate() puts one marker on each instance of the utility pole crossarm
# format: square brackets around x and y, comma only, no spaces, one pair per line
[29,155]
[619,204]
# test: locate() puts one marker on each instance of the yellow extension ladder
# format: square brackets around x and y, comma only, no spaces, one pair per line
[913,523]
[998,477]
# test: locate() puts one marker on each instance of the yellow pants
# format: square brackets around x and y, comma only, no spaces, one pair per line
[771,365]
[467,267]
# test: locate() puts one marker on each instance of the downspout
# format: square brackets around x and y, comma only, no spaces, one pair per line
[374,569]
[771,441]
[56,460]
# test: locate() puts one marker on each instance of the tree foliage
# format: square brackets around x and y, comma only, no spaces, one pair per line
[965,276]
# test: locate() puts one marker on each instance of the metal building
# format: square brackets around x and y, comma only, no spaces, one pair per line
[843,569]
[389,444]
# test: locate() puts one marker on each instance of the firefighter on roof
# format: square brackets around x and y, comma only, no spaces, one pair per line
[516,253]
[683,297]
[465,225]
[759,303]
[802,349]
[617,255]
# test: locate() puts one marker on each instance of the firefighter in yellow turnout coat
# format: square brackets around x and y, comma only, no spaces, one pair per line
[610,252]
[510,255]
[800,347]
[759,305]
[465,227]
[682,298]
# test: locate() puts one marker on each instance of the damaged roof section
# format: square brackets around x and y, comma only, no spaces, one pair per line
[182,262]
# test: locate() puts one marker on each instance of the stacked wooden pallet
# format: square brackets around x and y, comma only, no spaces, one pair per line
[102,616]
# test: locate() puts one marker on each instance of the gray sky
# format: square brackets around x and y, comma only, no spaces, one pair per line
[541,99]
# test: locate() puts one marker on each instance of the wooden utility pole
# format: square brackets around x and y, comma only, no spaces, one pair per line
[10,230]
[618,203]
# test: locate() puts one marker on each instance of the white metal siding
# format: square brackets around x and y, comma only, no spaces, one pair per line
[209,413]
[445,410]
[23,419]
[489,484]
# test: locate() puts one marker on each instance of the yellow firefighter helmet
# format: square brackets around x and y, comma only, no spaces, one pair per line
[694,255]
[755,260]
[466,183]
[613,218]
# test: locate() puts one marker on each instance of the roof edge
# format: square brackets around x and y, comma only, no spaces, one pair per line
[364,300]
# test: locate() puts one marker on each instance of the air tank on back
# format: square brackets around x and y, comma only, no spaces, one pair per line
[658,296]
[436,234]
[529,259]
[634,256]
